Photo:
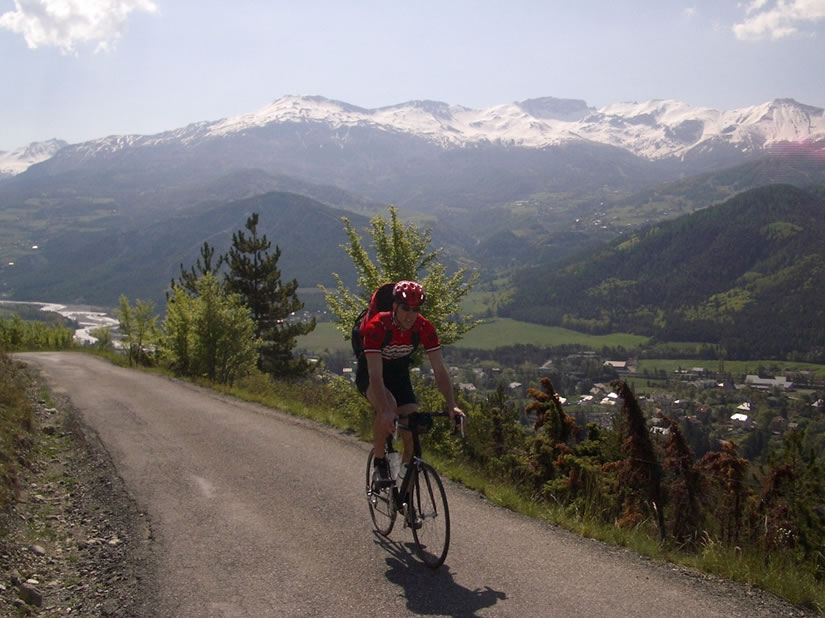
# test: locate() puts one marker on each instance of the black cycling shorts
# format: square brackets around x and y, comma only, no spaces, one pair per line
[396,379]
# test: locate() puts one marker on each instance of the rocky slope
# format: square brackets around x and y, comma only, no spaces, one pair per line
[75,543]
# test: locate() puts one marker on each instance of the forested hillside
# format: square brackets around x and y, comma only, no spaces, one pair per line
[97,266]
[747,274]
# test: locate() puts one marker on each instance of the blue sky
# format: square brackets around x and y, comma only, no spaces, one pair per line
[83,69]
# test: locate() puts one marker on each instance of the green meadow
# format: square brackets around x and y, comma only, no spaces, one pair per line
[735,368]
[493,333]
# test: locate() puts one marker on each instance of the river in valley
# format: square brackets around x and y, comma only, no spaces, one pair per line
[87,318]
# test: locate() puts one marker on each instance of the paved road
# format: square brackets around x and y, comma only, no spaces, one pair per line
[257,514]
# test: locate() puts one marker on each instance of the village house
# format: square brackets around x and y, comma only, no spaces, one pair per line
[619,367]
[765,384]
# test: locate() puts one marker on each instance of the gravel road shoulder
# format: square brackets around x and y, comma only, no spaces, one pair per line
[75,544]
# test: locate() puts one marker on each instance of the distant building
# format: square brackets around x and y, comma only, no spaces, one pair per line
[765,384]
[619,366]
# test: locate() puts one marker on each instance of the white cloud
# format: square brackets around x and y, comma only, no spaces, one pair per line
[66,23]
[776,20]
[755,5]
[690,12]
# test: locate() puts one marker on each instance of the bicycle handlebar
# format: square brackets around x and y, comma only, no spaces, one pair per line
[458,421]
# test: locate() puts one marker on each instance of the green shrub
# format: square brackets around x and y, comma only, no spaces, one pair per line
[16,428]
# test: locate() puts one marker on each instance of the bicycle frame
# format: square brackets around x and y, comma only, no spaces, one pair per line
[400,492]
[419,496]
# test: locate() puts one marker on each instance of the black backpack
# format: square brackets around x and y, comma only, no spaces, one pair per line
[381,300]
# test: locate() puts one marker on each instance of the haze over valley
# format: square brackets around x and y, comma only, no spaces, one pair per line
[528,139]
[520,186]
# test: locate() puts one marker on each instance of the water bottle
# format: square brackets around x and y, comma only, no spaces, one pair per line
[394,460]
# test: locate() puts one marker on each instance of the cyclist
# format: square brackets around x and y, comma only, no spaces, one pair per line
[383,372]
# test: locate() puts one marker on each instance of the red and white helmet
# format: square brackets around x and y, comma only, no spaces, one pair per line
[410,293]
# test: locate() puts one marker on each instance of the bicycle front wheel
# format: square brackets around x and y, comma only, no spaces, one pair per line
[381,502]
[430,516]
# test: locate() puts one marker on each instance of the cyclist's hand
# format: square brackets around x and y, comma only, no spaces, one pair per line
[458,417]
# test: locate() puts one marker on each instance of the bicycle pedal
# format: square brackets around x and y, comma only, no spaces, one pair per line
[414,523]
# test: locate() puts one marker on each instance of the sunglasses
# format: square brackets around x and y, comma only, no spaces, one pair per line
[409,309]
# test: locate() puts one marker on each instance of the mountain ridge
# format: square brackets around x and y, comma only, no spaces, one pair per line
[660,129]
[745,274]
[20,159]
[96,266]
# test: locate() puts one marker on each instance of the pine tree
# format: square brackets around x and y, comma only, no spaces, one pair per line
[640,475]
[188,278]
[255,276]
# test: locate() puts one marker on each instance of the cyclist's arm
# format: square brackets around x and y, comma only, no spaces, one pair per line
[443,381]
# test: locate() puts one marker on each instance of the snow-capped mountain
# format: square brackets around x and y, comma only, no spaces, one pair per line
[19,160]
[652,130]
[426,154]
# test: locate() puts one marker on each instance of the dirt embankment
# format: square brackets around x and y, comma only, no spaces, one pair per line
[74,543]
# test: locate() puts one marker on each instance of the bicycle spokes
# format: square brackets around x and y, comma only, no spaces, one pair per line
[429,507]
[380,500]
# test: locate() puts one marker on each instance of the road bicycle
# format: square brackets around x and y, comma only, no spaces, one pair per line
[418,495]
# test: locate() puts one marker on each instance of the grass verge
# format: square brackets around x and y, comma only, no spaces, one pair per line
[16,428]
[339,406]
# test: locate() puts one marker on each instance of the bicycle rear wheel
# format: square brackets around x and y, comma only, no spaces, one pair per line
[381,502]
[432,516]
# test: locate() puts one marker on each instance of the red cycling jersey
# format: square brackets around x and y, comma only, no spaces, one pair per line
[400,344]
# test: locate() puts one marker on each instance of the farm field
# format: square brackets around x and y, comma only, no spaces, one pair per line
[735,368]
[494,333]
[498,332]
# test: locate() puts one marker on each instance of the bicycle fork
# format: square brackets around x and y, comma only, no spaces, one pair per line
[403,493]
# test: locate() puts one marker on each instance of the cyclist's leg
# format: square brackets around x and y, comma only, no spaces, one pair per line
[406,436]
[402,390]
[379,434]
[397,381]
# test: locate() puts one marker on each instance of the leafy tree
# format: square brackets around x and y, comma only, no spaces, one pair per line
[139,327]
[401,252]
[19,334]
[103,335]
[255,276]
[211,334]
[12,333]
[178,329]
